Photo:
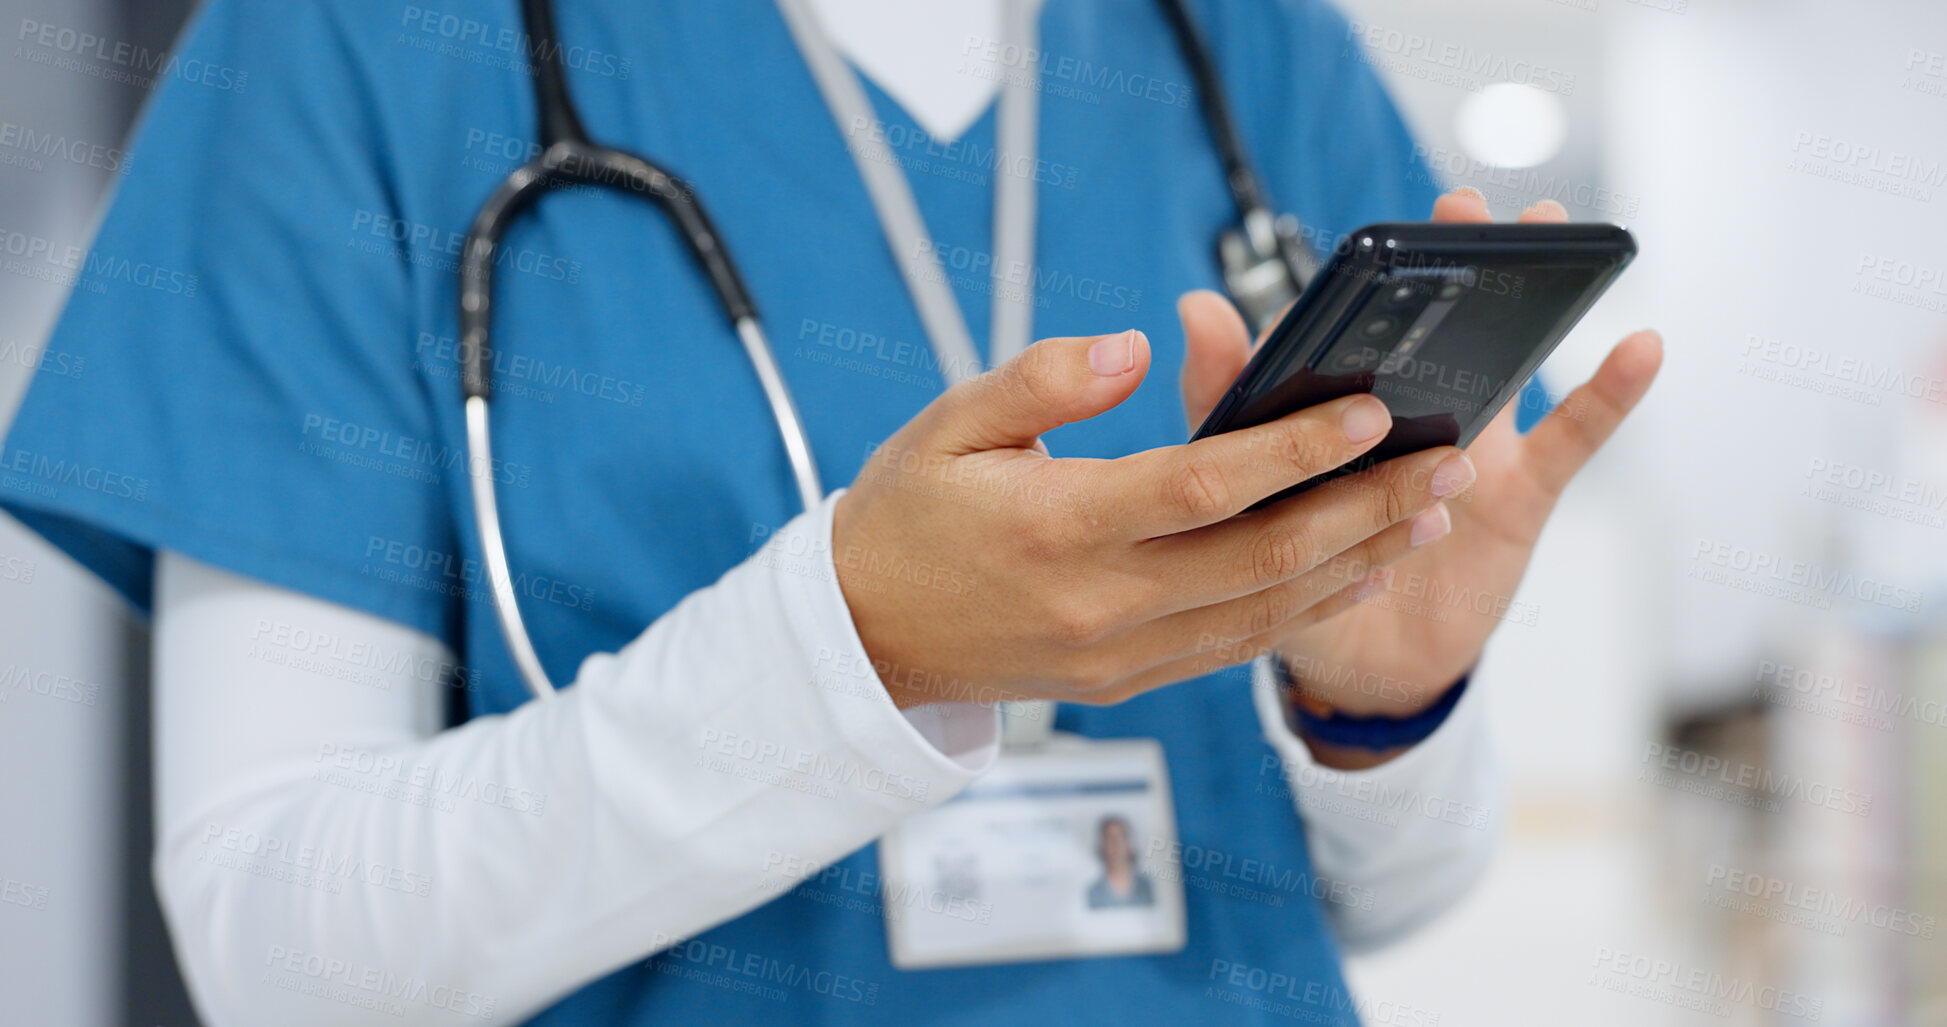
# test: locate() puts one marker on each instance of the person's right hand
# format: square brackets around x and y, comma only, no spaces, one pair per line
[978,567]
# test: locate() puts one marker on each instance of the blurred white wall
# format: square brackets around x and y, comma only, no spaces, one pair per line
[61,762]
[1711,118]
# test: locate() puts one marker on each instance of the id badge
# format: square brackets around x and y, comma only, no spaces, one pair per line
[1055,853]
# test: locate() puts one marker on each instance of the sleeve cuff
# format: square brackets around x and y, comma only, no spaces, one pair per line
[1414,832]
[1460,732]
[948,743]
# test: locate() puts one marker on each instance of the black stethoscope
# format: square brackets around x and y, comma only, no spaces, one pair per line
[1265,266]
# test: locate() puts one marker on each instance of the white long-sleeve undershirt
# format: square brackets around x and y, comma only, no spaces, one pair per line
[318,827]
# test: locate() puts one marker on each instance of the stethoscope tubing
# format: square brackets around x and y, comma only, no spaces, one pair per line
[568,157]
[565,162]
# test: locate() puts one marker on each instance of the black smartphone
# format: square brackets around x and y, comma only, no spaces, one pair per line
[1443,322]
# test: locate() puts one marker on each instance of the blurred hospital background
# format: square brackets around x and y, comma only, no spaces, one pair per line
[1724,726]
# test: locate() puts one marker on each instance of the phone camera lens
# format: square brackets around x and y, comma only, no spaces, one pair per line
[1449,291]
[1377,327]
[1401,293]
[1353,359]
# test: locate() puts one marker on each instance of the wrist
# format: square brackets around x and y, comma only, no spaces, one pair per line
[1327,687]
[1383,734]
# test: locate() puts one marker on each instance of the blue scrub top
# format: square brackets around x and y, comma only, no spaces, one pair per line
[268,382]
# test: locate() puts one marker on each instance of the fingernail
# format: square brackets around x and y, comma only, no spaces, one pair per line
[1454,473]
[1430,525]
[1113,355]
[1365,419]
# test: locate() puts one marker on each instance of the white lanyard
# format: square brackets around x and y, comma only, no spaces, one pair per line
[1016,143]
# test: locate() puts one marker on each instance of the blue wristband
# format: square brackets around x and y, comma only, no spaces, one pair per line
[1375,733]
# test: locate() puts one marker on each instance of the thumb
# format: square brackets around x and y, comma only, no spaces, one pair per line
[1052,383]
[1216,346]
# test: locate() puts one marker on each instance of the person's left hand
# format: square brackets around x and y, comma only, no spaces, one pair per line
[1401,648]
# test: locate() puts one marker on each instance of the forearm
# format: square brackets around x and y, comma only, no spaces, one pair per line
[688,778]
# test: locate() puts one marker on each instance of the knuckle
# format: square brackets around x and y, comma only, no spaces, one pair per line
[1087,675]
[1198,489]
[1279,554]
[1244,650]
[1296,443]
[1359,562]
[1027,378]
[1269,609]
[1396,495]
[1076,625]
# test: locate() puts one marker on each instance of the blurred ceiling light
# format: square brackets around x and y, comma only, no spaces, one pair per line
[1509,125]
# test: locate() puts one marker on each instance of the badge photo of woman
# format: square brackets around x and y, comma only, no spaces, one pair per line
[1121,884]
